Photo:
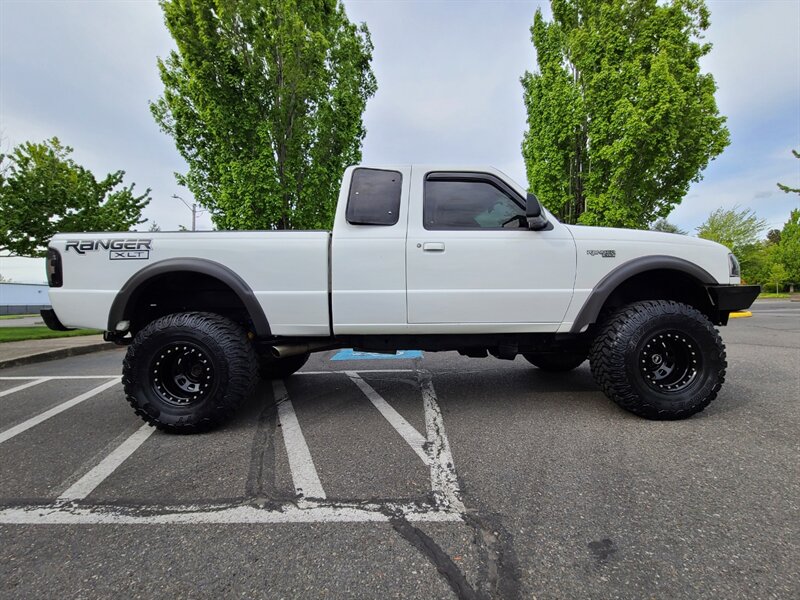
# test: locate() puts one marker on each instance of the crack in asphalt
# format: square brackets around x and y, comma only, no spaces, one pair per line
[261,474]
[499,575]
[445,565]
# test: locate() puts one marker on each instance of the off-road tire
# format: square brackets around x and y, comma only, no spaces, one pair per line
[555,362]
[189,372]
[280,368]
[623,359]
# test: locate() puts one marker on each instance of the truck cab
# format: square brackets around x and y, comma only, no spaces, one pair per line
[445,250]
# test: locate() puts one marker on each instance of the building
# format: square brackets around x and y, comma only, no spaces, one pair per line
[23,298]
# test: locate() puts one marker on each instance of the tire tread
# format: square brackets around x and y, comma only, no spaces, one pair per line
[608,360]
[239,353]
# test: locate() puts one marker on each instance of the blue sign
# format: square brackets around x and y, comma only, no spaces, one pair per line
[350,354]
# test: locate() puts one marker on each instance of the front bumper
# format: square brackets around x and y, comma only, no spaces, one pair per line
[729,298]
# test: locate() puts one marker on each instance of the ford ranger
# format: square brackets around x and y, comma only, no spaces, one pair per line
[430,258]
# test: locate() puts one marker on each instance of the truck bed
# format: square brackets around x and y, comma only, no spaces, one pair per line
[287,271]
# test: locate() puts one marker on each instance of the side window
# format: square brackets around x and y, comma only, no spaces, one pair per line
[374,197]
[475,204]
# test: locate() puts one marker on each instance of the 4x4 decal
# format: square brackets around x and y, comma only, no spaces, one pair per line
[603,253]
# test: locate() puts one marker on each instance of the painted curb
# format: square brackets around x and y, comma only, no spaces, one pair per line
[56,354]
[742,314]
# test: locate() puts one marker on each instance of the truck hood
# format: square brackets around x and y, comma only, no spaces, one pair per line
[587,233]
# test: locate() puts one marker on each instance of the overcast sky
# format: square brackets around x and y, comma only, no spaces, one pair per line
[448,91]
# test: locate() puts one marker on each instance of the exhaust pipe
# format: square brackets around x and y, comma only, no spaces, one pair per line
[284,350]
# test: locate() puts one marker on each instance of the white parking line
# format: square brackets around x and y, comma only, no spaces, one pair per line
[86,484]
[433,449]
[310,512]
[24,377]
[33,421]
[28,377]
[444,480]
[304,473]
[360,371]
[24,386]
[406,430]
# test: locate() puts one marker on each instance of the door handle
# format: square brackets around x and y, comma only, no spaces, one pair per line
[433,247]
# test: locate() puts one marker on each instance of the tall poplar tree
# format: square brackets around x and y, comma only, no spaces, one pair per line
[620,118]
[264,99]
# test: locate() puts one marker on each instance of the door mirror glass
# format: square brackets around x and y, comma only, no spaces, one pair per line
[536,216]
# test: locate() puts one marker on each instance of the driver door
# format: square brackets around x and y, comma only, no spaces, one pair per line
[470,257]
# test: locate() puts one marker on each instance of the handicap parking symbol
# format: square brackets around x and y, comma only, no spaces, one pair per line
[350,354]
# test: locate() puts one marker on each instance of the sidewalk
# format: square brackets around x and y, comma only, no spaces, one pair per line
[13,354]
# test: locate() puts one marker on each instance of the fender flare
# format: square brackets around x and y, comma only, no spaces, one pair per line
[129,292]
[591,308]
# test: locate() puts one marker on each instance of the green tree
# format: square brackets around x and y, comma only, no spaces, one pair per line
[777,276]
[620,118]
[786,188]
[264,99]
[735,228]
[44,192]
[774,236]
[756,260]
[666,227]
[788,251]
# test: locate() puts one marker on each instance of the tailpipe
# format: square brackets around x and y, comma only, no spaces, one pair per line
[284,350]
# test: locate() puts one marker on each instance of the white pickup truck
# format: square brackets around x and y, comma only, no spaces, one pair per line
[431,258]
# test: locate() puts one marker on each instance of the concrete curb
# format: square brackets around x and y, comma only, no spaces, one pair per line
[56,354]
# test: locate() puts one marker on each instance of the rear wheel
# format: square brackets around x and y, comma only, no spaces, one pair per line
[555,362]
[659,359]
[188,372]
[280,368]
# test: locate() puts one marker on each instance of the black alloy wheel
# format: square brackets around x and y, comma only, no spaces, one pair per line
[670,362]
[182,374]
[659,359]
[189,372]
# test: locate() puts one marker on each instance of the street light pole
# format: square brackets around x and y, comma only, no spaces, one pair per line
[192,208]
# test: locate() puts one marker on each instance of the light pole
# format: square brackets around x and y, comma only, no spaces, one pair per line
[192,208]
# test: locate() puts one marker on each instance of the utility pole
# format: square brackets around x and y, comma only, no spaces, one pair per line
[192,208]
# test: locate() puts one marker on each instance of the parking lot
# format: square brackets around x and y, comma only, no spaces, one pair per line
[414,477]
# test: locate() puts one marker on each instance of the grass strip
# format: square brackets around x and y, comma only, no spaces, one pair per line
[18,334]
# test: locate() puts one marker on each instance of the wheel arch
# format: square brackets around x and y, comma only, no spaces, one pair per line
[626,283]
[127,299]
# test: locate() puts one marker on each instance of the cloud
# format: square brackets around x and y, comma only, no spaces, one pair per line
[448,82]
[84,72]
[756,55]
[745,189]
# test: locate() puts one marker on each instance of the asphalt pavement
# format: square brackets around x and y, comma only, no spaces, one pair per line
[432,477]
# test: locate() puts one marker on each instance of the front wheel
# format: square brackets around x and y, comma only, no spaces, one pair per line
[188,372]
[659,359]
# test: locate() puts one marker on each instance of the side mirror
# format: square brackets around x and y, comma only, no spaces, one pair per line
[533,211]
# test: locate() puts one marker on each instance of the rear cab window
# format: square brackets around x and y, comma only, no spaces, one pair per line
[374,197]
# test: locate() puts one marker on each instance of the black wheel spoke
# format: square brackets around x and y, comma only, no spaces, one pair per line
[669,361]
[182,374]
